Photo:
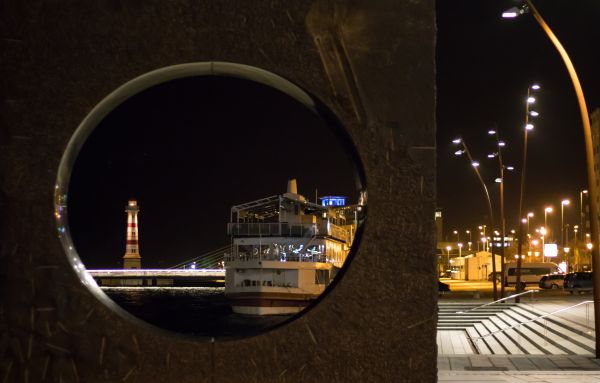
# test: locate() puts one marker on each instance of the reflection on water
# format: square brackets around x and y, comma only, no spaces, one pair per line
[201,311]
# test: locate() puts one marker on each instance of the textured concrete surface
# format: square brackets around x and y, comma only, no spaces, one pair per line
[371,63]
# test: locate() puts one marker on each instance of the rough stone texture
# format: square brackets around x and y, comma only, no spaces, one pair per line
[371,62]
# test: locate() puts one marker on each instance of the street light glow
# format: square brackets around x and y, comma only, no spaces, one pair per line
[548,209]
[510,168]
[491,155]
[565,202]
[533,113]
[535,86]
[511,13]
[498,180]
[458,152]
[529,126]
[530,214]
[457,140]
[475,164]
[530,100]
[501,143]
[491,132]
[542,230]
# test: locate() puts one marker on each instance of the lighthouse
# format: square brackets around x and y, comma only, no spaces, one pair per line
[132,258]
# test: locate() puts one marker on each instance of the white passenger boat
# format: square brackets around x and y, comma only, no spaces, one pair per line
[285,251]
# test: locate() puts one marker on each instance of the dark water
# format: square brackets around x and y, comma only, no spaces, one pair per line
[200,311]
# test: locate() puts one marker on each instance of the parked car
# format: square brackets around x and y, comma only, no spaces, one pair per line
[580,282]
[552,281]
[443,287]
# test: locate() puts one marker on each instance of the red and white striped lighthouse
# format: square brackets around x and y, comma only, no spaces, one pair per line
[132,258]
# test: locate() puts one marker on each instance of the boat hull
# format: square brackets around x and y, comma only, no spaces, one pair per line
[265,303]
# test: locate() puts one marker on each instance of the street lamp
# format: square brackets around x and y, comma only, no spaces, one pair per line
[563,203]
[581,213]
[543,236]
[475,165]
[448,248]
[589,148]
[499,145]
[529,216]
[457,235]
[528,126]
[460,245]
[546,211]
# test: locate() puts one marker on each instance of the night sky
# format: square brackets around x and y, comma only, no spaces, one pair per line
[484,66]
[188,150]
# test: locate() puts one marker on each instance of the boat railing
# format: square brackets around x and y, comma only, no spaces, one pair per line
[502,300]
[244,256]
[284,229]
[553,313]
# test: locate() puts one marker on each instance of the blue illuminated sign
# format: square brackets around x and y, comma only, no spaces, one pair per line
[333,201]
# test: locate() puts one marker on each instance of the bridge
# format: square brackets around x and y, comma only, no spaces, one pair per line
[159,277]
[205,270]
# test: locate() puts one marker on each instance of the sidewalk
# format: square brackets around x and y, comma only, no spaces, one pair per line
[521,377]
[519,368]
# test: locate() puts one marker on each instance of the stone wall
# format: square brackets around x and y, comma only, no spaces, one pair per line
[371,63]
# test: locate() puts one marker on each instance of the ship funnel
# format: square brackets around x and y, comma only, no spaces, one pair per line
[292,187]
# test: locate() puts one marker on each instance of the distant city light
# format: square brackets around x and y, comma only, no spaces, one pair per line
[501,143]
[510,168]
[491,132]
[491,155]
[458,152]
[498,180]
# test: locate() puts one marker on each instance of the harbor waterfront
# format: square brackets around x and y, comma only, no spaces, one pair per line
[198,311]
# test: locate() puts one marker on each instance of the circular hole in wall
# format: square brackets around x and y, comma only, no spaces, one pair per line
[210,199]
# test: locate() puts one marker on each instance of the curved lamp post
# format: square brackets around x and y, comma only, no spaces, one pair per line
[475,165]
[589,152]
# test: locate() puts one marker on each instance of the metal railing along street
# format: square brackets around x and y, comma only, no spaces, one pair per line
[499,300]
